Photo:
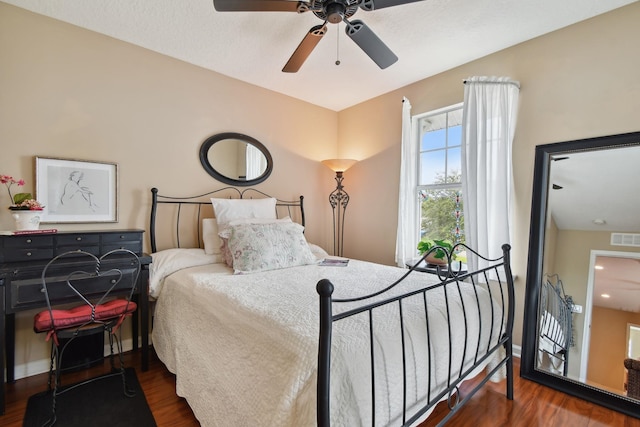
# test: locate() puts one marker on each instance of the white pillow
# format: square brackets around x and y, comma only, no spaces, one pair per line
[270,246]
[317,251]
[227,210]
[169,261]
[210,238]
[258,220]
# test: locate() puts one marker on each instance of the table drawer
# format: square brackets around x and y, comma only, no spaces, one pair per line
[122,237]
[28,241]
[135,247]
[27,254]
[78,239]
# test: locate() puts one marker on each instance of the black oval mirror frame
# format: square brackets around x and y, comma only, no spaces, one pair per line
[208,167]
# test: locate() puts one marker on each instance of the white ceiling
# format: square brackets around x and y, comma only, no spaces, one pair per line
[620,279]
[596,185]
[428,37]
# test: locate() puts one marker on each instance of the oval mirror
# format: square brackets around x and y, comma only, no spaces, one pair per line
[236,159]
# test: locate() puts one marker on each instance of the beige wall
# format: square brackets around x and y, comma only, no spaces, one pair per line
[577,82]
[608,347]
[67,92]
[71,93]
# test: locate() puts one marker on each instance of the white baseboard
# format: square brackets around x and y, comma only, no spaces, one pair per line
[517,351]
[41,366]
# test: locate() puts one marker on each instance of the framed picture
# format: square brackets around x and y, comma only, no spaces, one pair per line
[77,191]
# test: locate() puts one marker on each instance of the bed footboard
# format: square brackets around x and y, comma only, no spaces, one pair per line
[477,308]
[556,330]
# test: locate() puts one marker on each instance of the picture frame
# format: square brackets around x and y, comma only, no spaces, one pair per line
[77,191]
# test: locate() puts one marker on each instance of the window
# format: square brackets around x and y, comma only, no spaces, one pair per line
[440,174]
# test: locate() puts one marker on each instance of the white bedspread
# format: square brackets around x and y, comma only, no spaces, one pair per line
[244,347]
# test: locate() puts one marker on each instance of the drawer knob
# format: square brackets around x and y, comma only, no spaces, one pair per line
[29,240]
[28,253]
[113,281]
[122,237]
[79,239]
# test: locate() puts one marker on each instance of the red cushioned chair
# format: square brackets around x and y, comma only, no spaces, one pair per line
[104,310]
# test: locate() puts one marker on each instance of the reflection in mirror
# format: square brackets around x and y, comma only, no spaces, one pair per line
[584,246]
[236,159]
[613,288]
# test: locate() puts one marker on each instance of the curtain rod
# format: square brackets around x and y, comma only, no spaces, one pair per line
[516,84]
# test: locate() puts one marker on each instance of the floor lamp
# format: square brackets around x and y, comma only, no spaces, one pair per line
[338,199]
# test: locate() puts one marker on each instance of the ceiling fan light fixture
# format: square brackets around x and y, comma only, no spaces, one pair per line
[599,221]
[335,12]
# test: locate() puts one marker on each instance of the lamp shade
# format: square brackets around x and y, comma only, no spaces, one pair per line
[339,165]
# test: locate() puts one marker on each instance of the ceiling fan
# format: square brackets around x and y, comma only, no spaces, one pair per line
[333,11]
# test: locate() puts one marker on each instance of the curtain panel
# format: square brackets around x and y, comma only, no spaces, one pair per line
[488,126]
[407,239]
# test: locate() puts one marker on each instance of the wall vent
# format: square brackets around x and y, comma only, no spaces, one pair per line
[625,239]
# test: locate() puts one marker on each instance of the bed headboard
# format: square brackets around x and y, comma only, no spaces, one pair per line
[186,213]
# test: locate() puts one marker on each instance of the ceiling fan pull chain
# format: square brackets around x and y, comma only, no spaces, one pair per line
[338,46]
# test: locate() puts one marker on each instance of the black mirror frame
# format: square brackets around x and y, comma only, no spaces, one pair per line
[528,359]
[204,159]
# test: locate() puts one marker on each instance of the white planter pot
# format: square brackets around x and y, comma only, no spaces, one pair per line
[27,220]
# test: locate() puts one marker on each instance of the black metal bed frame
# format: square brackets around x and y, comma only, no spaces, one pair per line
[448,278]
[198,202]
[556,311]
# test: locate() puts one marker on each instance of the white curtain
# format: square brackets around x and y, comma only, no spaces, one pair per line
[488,125]
[407,239]
[256,162]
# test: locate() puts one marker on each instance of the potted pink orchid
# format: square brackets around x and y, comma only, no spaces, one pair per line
[26,210]
[21,201]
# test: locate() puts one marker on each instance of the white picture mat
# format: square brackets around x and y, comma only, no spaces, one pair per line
[76,190]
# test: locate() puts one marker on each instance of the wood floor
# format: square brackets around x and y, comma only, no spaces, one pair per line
[533,405]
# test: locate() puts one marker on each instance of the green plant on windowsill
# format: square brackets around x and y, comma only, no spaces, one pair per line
[438,256]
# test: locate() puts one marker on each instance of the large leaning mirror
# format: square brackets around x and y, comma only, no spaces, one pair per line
[236,159]
[582,302]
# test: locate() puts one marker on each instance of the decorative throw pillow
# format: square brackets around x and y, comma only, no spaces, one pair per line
[224,249]
[227,210]
[270,246]
[226,252]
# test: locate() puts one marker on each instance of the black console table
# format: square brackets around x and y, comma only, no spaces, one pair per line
[22,259]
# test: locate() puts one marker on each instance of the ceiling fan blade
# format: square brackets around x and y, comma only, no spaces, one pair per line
[259,6]
[305,48]
[370,5]
[370,43]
